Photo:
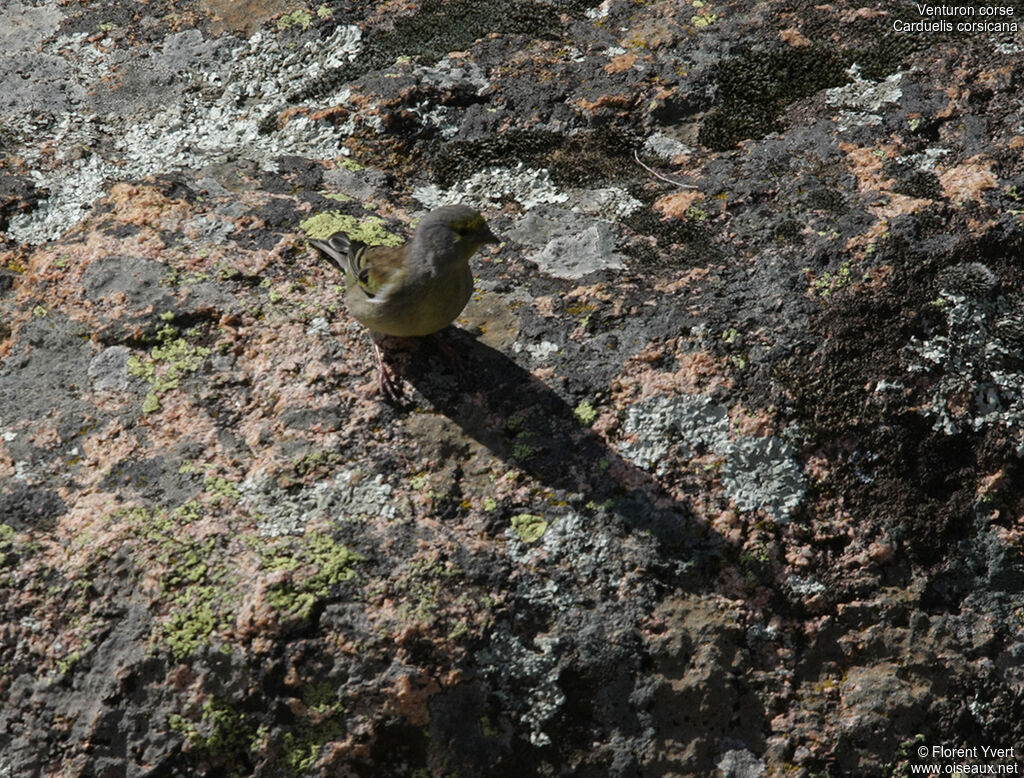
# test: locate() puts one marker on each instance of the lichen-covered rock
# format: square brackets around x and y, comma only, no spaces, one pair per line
[725,479]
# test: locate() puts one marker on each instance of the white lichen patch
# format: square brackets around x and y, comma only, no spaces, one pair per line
[861,101]
[568,244]
[531,188]
[973,351]
[540,352]
[594,553]
[758,473]
[665,147]
[345,497]
[221,119]
[573,232]
[527,186]
[662,428]
[761,474]
[526,680]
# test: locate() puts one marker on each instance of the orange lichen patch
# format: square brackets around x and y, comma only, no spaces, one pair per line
[178,418]
[63,264]
[1016,142]
[981,226]
[364,105]
[955,94]
[621,63]
[389,10]
[969,180]
[756,423]
[866,165]
[663,93]
[107,447]
[146,208]
[412,697]
[602,292]
[255,615]
[698,373]
[876,279]
[276,358]
[653,25]
[688,280]
[800,556]
[86,532]
[338,754]
[315,370]
[675,205]
[545,306]
[854,14]
[881,551]
[794,37]
[45,435]
[817,466]
[61,267]
[726,523]
[326,113]
[897,205]
[605,102]
[244,16]
[996,79]
[992,484]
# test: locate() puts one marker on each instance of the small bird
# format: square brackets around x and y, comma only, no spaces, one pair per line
[415,289]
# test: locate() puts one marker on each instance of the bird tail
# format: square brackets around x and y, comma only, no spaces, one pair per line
[341,251]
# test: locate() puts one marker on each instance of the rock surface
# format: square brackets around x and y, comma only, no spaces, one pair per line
[732,486]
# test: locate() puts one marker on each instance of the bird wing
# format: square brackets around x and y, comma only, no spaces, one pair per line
[371,267]
[379,267]
[339,250]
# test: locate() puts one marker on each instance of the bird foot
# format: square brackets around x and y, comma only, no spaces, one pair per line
[389,387]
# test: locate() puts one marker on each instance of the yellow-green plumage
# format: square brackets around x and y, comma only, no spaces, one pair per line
[414,289]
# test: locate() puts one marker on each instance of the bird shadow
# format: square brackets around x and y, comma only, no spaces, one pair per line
[523,422]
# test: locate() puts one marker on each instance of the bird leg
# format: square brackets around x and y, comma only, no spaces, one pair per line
[388,386]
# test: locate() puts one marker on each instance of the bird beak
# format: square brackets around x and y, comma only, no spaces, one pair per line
[489,237]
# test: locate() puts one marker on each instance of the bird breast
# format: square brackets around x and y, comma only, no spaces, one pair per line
[418,308]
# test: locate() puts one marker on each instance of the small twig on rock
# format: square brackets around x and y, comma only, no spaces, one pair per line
[656,174]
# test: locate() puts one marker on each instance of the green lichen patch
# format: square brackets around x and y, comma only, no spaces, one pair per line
[174,357]
[222,734]
[196,580]
[529,527]
[317,463]
[222,489]
[300,18]
[827,284]
[321,697]
[585,412]
[191,621]
[302,748]
[369,230]
[420,588]
[315,563]
[7,534]
[524,439]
